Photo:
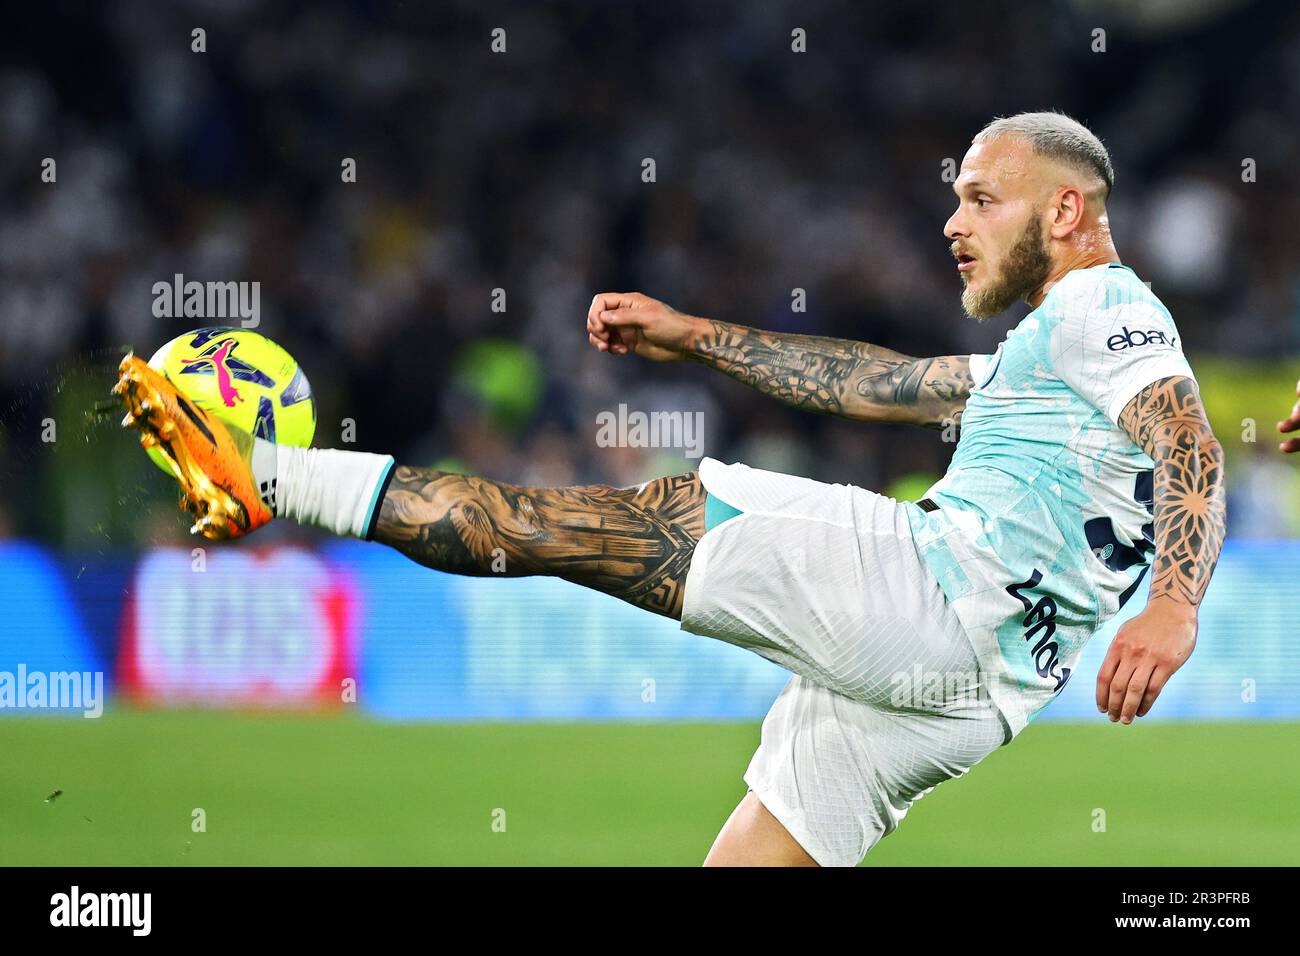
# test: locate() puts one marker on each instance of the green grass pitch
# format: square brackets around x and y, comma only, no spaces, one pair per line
[339,790]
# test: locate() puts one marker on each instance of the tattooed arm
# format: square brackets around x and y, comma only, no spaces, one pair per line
[837,376]
[1167,421]
[834,376]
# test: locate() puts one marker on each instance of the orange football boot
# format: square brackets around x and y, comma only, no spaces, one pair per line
[209,459]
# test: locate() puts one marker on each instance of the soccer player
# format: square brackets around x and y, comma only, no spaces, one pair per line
[922,636]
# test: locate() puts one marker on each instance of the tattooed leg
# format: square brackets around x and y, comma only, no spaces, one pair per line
[633,543]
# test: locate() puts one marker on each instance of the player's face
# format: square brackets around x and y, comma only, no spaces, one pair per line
[997,231]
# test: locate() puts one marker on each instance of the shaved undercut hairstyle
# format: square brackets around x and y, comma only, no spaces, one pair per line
[1058,137]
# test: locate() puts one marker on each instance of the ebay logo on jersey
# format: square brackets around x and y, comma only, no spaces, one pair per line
[1125,339]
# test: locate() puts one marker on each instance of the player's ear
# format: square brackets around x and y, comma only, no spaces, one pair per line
[1068,205]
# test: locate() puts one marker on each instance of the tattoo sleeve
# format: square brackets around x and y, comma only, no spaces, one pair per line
[1167,421]
[838,376]
[633,543]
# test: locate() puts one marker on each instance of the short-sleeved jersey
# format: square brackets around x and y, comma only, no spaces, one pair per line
[1044,521]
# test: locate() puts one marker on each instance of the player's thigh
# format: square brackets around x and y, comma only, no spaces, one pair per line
[824,580]
[634,543]
[646,541]
[752,836]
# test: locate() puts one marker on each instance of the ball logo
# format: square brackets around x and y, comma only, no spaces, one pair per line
[225,382]
[1125,339]
[219,359]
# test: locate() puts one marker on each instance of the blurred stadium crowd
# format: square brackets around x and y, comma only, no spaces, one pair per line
[522,171]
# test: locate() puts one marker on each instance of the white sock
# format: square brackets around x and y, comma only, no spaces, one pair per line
[335,490]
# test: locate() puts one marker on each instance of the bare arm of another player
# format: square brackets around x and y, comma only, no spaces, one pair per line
[1167,421]
[834,376]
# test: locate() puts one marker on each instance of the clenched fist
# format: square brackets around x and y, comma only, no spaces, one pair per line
[623,323]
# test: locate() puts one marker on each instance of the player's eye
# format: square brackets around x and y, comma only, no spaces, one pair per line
[982,202]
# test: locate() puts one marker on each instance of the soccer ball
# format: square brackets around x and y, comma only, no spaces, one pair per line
[243,379]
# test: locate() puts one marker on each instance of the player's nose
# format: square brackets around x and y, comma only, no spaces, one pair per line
[955,227]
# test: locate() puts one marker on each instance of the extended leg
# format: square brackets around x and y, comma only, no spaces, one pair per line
[633,543]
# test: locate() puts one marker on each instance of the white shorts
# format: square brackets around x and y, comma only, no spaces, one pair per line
[886,701]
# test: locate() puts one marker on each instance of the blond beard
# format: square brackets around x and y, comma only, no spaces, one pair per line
[1026,267]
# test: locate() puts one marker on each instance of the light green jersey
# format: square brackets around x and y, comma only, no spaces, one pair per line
[1044,524]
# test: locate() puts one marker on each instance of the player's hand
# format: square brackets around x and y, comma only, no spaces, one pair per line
[1143,656]
[1291,424]
[624,323]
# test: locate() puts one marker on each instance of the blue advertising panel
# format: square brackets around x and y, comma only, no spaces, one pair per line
[415,644]
[48,661]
